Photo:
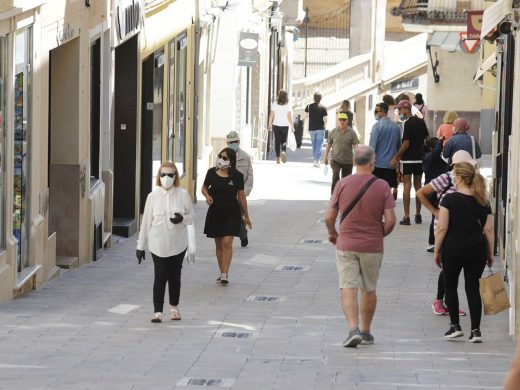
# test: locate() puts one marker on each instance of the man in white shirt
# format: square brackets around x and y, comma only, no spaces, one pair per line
[245,167]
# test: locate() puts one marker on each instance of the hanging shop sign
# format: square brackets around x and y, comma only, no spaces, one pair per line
[129,14]
[248,49]
[65,32]
[469,44]
[474,24]
[404,85]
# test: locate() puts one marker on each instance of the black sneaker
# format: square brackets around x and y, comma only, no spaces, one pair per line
[366,338]
[353,339]
[475,337]
[430,248]
[244,242]
[405,221]
[418,218]
[454,332]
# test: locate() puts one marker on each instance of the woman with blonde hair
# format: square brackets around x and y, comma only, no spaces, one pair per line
[464,241]
[280,119]
[445,131]
[167,213]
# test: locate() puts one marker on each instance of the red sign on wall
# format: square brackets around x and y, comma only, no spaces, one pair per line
[474,24]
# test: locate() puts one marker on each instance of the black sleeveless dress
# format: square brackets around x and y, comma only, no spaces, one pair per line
[223,216]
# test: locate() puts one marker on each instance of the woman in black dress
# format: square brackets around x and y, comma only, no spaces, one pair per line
[224,191]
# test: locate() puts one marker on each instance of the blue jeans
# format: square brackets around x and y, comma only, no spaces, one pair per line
[317,137]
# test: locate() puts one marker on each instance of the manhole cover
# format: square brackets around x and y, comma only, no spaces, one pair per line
[216,382]
[292,268]
[312,241]
[263,298]
[237,335]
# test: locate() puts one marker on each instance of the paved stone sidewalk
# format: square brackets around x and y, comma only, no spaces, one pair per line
[90,328]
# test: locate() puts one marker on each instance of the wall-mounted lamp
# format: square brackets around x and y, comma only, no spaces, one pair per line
[87,3]
[436,76]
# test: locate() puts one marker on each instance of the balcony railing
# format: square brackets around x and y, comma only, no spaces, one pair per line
[436,11]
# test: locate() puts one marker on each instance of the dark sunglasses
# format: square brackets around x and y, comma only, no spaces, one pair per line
[225,158]
[377,112]
[172,175]
[342,120]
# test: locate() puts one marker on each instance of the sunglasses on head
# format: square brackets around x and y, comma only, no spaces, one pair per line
[172,175]
[225,158]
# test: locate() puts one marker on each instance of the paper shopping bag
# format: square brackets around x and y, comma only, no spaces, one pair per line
[494,294]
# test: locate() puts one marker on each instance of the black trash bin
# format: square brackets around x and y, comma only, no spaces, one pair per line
[298,131]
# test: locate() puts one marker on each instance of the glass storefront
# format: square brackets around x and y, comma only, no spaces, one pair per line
[3,84]
[158,80]
[22,122]
[177,105]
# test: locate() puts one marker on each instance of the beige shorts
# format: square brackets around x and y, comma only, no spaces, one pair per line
[358,270]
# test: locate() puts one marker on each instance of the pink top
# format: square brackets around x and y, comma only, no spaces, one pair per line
[445,130]
[362,230]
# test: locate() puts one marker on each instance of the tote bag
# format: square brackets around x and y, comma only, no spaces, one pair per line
[291,140]
[494,294]
[192,244]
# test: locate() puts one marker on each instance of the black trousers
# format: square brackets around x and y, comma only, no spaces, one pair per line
[471,259]
[167,270]
[280,138]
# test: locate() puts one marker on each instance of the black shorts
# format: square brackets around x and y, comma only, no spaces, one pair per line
[387,174]
[411,168]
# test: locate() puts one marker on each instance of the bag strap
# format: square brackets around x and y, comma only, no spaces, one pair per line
[357,199]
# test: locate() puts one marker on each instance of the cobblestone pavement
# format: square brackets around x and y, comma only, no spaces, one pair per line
[271,328]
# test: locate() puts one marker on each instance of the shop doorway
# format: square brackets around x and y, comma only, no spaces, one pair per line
[63,144]
[151,122]
[125,137]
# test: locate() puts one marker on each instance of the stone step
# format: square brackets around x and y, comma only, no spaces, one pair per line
[67,262]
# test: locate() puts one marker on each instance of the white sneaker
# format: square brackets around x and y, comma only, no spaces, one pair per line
[175,315]
[315,163]
[157,317]
[224,279]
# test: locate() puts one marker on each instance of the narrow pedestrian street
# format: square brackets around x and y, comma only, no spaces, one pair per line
[278,325]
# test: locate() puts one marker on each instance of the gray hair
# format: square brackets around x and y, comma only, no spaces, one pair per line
[364,155]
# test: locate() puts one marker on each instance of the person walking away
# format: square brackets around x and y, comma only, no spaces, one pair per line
[464,241]
[433,166]
[431,195]
[351,117]
[359,242]
[280,119]
[340,144]
[385,139]
[168,211]
[421,107]
[223,189]
[461,140]
[245,167]
[298,131]
[316,114]
[445,131]
[411,154]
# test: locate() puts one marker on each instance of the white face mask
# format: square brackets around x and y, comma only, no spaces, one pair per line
[222,164]
[167,182]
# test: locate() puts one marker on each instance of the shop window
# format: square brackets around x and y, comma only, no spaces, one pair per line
[3,57]
[178,49]
[95,109]
[22,127]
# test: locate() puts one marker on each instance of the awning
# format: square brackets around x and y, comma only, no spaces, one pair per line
[485,66]
[446,40]
[494,15]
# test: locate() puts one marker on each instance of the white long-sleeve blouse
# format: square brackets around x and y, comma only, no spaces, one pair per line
[165,239]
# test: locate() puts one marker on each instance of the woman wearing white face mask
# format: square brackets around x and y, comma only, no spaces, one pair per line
[167,213]
[224,191]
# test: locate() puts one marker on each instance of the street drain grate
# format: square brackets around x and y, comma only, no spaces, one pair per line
[291,268]
[214,382]
[237,335]
[263,298]
[312,241]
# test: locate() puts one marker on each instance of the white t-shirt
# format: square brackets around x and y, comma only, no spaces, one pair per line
[280,114]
